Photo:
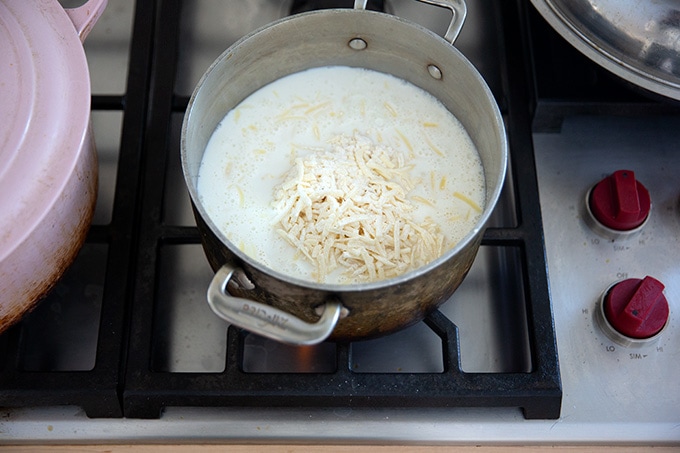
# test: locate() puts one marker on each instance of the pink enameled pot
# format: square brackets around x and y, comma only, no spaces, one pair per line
[48,164]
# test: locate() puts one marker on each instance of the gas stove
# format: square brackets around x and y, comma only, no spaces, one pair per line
[125,349]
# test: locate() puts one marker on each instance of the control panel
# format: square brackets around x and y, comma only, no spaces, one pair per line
[633,311]
[610,203]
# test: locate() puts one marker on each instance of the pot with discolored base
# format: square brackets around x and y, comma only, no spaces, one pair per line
[260,299]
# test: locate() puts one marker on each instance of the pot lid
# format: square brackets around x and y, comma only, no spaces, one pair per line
[638,41]
[44,114]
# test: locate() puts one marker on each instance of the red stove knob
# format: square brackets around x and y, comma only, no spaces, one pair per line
[636,309]
[620,202]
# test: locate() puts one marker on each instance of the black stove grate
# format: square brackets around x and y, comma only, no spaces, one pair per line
[122,380]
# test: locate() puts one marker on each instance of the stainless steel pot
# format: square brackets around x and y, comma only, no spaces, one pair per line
[262,300]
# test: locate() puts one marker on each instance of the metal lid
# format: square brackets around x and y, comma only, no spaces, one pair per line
[44,113]
[638,41]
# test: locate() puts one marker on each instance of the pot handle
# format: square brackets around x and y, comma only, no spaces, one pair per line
[266,320]
[457,7]
[85,16]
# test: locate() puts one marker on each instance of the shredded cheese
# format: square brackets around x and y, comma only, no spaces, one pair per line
[349,209]
[468,200]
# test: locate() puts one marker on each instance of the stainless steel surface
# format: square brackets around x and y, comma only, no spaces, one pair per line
[602,380]
[638,41]
[612,394]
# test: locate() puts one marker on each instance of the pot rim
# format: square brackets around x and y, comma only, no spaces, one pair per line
[46,120]
[474,234]
[601,29]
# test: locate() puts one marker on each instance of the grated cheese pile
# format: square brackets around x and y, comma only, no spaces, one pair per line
[349,210]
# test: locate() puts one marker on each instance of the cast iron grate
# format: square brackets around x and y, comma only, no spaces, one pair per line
[122,381]
[538,396]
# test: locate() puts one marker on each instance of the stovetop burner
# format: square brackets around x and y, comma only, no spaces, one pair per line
[127,333]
